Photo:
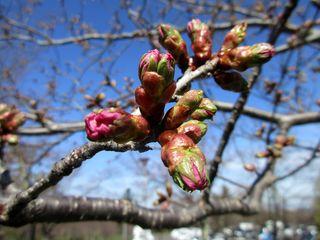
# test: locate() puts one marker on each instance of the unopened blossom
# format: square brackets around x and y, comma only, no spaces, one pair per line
[242,58]
[171,39]
[185,162]
[156,72]
[117,125]
[10,120]
[200,36]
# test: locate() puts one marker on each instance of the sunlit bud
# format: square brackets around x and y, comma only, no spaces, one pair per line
[186,163]
[12,139]
[234,37]
[200,36]
[271,151]
[149,62]
[10,118]
[242,58]
[171,40]
[206,110]
[156,72]
[283,141]
[194,129]
[117,125]
[250,167]
[183,109]
[231,81]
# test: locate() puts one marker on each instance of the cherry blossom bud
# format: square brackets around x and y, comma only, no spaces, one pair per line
[156,72]
[117,125]
[231,81]
[284,141]
[171,40]
[12,139]
[242,58]
[183,109]
[194,129]
[149,62]
[206,110]
[10,118]
[234,37]
[250,167]
[186,163]
[200,36]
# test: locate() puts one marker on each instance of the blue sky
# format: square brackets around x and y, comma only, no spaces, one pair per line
[109,174]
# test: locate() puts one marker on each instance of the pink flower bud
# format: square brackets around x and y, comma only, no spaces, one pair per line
[99,125]
[117,125]
[149,62]
[186,163]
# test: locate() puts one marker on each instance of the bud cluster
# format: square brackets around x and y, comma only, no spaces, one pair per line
[182,127]
[10,120]
[231,56]
[179,152]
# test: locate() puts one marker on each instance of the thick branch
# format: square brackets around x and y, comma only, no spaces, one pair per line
[64,168]
[85,209]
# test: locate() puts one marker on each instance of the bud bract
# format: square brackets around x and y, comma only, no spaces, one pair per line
[183,109]
[206,110]
[200,36]
[117,125]
[231,81]
[234,37]
[242,58]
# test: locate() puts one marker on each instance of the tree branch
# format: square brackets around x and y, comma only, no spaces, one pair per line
[64,168]
[89,209]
